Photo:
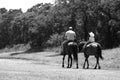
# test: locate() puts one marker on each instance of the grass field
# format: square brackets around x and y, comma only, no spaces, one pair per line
[111,59]
[50,56]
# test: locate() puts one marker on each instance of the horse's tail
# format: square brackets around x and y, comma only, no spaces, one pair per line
[75,51]
[101,56]
[100,52]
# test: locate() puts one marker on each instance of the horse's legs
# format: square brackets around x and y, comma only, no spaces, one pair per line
[77,63]
[97,63]
[84,63]
[87,63]
[69,63]
[76,59]
[63,60]
[86,60]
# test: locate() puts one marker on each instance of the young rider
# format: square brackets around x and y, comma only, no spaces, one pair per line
[91,37]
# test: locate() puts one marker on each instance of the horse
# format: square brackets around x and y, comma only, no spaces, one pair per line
[91,49]
[70,49]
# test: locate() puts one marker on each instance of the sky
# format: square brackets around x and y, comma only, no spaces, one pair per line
[23,4]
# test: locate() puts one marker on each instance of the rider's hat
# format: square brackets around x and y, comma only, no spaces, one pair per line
[70,28]
[91,34]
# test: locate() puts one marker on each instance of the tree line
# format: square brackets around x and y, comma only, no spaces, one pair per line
[44,25]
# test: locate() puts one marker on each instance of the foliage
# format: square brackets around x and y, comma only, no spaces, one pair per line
[55,40]
[46,23]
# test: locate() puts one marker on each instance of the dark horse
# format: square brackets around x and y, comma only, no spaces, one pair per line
[70,49]
[91,49]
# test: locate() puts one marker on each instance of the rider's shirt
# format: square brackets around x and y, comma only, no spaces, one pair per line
[70,35]
[91,39]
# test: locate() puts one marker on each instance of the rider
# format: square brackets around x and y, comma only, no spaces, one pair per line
[91,37]
[70,36]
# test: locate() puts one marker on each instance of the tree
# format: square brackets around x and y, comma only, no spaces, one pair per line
[3,10]
[5,27]
[108,15]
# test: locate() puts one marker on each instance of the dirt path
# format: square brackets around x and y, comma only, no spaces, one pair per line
[28,70]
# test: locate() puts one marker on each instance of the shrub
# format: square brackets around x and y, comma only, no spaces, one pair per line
[55,40]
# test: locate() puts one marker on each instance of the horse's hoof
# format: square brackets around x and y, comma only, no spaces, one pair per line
[99,67]
[62,66]
[77,67]
[95,68]
[87,67]
[68,67]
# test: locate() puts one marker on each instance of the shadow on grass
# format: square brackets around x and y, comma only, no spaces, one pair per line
[54,55]
[19,58]
[30,51]
[59,54]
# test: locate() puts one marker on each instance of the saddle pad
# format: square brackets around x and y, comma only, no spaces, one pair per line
[92,44]
[71,43]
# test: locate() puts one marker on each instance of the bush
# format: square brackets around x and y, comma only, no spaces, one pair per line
[55,40]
